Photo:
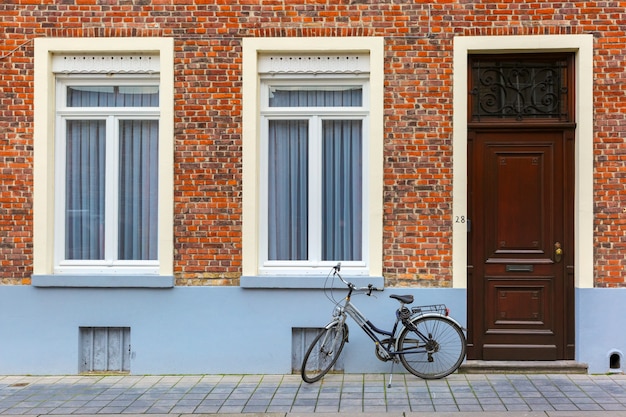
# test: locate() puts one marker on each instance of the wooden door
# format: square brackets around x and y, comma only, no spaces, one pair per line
[520,285]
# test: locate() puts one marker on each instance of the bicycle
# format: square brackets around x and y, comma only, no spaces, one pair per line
[429,343]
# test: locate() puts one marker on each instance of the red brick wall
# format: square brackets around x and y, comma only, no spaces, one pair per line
[418,114]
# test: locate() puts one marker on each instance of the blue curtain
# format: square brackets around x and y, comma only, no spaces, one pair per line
[288,190]
[84,184]
[342,183]
[112,96]
[330,97]
[138,191]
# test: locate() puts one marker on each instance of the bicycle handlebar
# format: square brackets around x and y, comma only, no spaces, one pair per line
[370,288]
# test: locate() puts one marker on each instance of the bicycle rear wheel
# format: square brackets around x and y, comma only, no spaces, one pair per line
[323,352]
[439,355]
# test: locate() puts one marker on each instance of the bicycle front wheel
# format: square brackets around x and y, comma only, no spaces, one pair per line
[323,352]
[433,349]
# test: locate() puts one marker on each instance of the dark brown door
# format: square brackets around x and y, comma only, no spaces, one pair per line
[520,285]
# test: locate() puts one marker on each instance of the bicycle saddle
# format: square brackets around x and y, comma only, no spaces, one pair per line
[404,299]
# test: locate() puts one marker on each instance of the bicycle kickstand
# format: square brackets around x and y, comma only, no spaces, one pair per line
[391,374]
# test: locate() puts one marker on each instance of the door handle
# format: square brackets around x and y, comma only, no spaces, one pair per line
[558,252]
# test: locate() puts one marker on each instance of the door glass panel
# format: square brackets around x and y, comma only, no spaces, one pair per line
[519,89]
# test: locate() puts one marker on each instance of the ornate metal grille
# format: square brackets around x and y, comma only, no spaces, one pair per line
[519,89]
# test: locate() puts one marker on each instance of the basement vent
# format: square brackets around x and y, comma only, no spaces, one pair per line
[301,339]
[104,349]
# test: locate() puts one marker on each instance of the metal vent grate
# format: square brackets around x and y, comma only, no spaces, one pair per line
[104,349]
[301,338]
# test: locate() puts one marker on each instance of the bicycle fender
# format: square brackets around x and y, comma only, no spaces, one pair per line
[331,324]
[450,319]
[335,323]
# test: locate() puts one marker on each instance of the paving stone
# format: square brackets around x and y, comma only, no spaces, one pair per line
[254,394]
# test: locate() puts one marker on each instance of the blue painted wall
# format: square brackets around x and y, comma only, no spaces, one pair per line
[185,329]
[600,327]
[197,330]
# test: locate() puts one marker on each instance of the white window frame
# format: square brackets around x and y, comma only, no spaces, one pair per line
[46,193]
[315,117]
[112,117]
[257,271]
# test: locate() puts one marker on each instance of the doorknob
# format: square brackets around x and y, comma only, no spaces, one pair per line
[558,252]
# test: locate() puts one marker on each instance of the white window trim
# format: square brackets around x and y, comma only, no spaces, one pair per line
[44,163]
[582,46]
[252,154]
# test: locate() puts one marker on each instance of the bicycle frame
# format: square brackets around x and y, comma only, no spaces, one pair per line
[371,330]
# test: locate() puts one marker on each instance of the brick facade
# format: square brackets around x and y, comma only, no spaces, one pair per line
[418,116]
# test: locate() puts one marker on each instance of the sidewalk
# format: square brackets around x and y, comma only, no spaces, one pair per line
[365,395]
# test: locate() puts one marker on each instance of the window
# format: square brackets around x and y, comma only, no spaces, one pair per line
[107,147]
[314,139]
[312,159]
[103,170]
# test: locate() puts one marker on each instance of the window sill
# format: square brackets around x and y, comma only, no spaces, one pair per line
[307,282]
[103,281]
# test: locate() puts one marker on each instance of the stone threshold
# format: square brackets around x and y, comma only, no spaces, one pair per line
[522,367]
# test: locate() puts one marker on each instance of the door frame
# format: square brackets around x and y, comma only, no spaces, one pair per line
[582,46]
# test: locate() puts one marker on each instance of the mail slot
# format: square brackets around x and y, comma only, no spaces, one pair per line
[519,268]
